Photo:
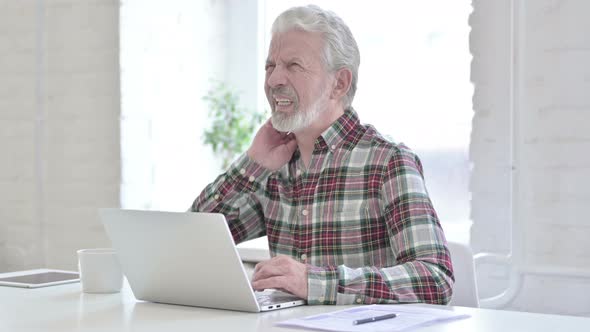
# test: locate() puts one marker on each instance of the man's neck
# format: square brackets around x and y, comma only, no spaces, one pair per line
[306,137]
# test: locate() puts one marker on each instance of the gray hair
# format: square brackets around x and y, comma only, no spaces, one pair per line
[340,49]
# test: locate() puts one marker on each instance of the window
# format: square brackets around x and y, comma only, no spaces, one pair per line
[413,86]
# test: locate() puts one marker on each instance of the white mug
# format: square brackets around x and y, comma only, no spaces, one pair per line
[100,271]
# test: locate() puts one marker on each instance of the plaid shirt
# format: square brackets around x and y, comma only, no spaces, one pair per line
[359,217]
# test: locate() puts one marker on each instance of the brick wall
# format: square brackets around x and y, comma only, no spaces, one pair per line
[545,81]
[59,128]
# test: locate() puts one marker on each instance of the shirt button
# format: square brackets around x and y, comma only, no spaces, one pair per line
[251,178]
[359,300]
[304,212]
[298,172]
[333,147]
[242,171]
[216,196]
[304,257]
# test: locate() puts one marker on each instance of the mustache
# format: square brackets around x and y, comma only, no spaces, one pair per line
[284,91]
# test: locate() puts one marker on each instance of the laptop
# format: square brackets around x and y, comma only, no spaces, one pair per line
[185,258]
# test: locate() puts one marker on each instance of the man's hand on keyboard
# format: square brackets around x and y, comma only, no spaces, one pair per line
[281,272]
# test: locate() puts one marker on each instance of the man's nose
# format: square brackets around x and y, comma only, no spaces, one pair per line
[277,77]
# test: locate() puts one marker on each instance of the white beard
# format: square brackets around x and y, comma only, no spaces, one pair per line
[300,119]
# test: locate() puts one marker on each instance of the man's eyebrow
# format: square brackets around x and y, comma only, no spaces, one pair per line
[290,60]
[296,59]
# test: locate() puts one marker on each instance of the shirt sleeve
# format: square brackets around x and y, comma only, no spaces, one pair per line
[422,272]
[237,194]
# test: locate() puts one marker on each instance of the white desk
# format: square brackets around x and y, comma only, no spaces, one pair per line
[64,308]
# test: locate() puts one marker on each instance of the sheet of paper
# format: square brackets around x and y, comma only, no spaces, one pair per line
[408,316]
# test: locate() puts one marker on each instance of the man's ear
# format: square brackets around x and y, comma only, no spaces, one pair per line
[343,80]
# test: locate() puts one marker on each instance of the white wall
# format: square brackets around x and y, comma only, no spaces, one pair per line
[531,70]
[59,128]
[244,70]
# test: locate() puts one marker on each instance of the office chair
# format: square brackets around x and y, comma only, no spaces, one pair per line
[465,289]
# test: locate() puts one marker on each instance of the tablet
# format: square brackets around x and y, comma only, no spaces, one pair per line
[38,278]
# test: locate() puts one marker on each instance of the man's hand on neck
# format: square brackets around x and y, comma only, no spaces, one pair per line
[271,148]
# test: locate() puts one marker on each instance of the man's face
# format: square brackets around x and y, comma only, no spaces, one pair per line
[296,84]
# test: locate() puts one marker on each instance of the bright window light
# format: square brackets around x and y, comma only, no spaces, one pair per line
[414,84]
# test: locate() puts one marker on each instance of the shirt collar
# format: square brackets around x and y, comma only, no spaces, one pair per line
[341,130]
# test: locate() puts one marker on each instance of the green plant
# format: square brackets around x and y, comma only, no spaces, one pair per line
[231,126]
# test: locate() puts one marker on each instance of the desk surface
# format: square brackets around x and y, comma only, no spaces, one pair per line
[65,308]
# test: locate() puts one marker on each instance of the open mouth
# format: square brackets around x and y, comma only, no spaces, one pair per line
[283,102]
